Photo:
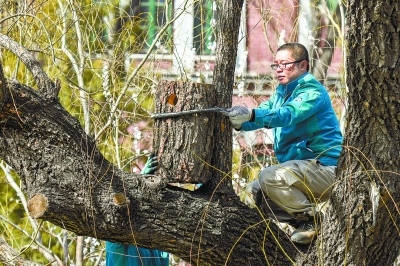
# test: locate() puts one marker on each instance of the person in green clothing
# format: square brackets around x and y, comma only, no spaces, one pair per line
[118,254]
[307,144]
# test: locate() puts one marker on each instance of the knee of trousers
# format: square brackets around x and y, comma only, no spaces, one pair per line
[251,193]
[267,176]
[252,188]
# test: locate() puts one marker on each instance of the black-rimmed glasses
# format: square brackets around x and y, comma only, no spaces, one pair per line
[283,65]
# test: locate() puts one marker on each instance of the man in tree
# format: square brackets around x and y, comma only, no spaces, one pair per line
[307,144]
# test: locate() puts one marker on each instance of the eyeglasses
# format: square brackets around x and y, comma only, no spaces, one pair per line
[283,65]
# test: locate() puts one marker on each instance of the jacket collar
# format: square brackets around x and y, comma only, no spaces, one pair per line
[287,89]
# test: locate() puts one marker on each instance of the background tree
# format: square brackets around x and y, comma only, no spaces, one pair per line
[71,184]
[368,173]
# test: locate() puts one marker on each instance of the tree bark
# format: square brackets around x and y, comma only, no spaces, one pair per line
[365,203]
[184,145]
[224,74]
[4,93]
[45,85]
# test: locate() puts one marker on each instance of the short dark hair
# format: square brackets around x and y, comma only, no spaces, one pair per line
[299,52]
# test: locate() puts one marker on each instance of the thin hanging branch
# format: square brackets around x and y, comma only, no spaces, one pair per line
[136,70]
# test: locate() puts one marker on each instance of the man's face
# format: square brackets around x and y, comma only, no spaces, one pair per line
[292,71]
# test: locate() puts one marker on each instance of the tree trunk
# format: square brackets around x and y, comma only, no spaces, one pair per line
[4,93]
[365,203]
[224,74]
[184,144]
[69,183]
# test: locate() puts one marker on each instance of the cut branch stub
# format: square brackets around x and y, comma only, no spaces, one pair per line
[184,144]
[119,199]
[37,205]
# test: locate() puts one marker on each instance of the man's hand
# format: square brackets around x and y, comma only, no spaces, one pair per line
[238,115]
[151,165]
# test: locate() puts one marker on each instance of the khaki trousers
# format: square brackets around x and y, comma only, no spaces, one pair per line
[292,187]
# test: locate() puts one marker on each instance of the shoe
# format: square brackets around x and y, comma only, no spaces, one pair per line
[293,222]
[259,199]
[306,228]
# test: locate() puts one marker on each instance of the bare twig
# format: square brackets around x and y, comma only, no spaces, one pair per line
[77,64]
[7,173]
[79,251]
[134,73]
[99,257]
[41,24]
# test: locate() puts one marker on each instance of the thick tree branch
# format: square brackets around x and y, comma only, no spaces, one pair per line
[45,85]
[69,183]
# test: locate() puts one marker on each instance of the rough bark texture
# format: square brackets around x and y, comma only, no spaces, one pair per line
[184,144]
[4,93]
[224,74]
[365,203]
[70,184]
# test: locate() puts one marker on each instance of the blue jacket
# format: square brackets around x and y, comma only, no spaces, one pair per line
[129,255]
[304,122]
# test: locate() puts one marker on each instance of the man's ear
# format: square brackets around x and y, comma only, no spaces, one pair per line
[303,65]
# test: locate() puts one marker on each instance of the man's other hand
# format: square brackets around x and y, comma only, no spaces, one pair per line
[151,165]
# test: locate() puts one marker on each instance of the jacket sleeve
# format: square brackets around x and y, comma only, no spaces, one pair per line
[307,101]
[267,105]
